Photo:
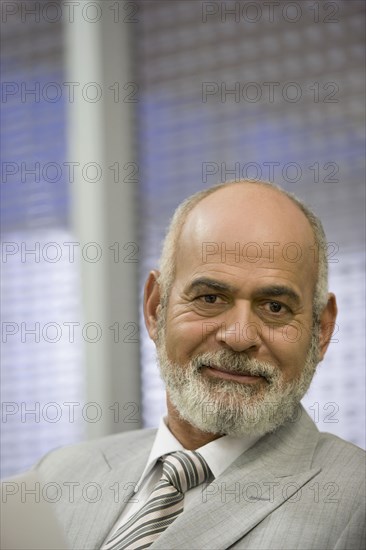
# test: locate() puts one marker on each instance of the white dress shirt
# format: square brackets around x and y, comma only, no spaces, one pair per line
[219,454]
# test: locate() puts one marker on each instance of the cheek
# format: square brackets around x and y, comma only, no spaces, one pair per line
[290,347]
[183,339]
[293,334]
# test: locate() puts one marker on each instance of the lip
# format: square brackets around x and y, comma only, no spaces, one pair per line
[225,375]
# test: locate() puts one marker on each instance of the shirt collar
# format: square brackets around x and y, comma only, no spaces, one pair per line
[219,454]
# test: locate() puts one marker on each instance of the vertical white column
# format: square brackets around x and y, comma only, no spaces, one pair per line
[100,140]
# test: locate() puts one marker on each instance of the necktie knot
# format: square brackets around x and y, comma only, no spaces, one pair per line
[182,471]
[185,470]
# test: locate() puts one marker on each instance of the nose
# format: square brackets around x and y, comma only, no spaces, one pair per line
[239,330]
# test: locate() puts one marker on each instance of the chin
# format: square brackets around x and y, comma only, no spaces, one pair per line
[227,413]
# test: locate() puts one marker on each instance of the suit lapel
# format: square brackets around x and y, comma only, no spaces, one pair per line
[115,477]
[257,483]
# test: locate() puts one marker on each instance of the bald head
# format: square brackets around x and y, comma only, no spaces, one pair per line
[248,214]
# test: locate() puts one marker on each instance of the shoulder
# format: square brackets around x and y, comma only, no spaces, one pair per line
[341,472]
[339,455]
[105,451]
[300,446]
[330,452]
[338,447]
[128,441]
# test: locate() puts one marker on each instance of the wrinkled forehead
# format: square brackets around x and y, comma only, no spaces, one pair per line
[259,226]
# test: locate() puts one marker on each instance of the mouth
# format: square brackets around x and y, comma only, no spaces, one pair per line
[218,372]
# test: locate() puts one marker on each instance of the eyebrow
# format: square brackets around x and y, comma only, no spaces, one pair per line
[267,291]
[204,282]
[278,291]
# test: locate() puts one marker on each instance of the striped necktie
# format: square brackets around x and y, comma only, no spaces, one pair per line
[182,471]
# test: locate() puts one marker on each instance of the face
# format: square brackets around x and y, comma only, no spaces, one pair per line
[236,344]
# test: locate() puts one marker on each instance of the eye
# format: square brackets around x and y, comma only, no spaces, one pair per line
[275,307]
[209,298]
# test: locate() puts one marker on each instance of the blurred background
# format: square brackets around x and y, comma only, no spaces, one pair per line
[112,113]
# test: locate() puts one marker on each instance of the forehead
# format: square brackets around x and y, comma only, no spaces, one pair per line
[247,229]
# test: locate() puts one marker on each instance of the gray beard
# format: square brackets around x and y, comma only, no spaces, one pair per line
[228,407]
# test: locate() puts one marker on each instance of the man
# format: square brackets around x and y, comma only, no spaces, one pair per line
[240,315]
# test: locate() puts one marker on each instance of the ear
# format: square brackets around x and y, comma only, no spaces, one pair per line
[327,324]
[152,303]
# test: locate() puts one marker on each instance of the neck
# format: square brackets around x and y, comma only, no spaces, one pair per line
[190,437]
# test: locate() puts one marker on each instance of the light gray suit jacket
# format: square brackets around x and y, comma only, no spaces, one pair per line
[294,489]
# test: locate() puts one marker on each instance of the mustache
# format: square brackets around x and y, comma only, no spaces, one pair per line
[236,363]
